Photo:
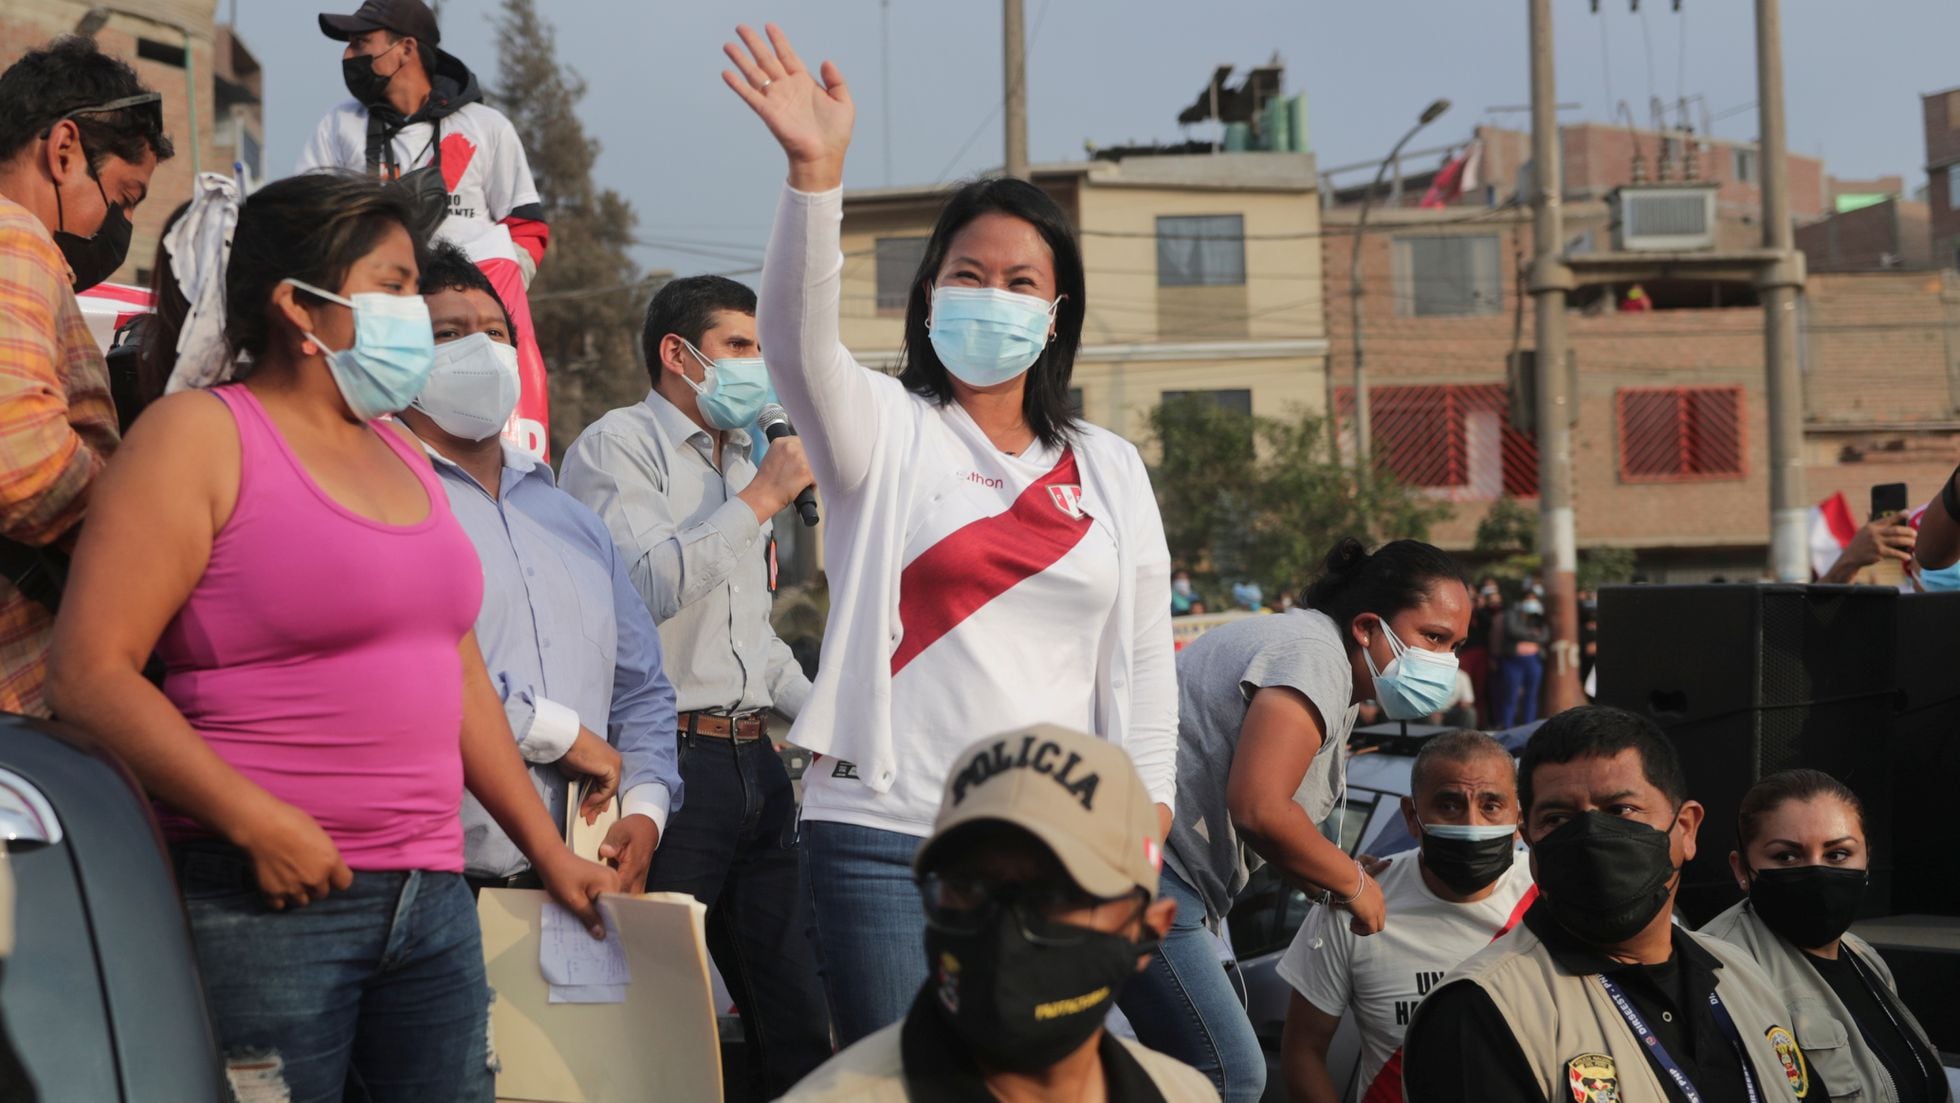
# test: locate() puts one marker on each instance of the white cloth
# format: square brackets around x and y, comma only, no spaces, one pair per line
[868,441]
[971,676]
[1380,979]
[199,246]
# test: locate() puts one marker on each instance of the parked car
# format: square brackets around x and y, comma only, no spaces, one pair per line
[101,995]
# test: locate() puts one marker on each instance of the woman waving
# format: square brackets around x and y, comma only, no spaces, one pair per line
[993,560]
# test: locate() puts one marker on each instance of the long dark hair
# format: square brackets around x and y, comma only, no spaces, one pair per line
[312,227]
[1045,403]
[1398,576]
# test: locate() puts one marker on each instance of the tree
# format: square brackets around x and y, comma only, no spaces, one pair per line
[588,294]
[1255,499]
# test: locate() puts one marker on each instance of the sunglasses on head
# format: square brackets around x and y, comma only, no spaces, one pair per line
[150,102]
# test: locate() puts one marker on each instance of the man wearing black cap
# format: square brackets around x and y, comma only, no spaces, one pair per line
[417,114]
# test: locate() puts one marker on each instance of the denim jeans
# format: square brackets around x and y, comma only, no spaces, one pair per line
[376,992]
[1518,681]
[870,926]
[732,846]
[1186,1005]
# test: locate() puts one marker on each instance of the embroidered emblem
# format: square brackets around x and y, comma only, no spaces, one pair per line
[1068,499]
[1791,1055]
[1593,1078]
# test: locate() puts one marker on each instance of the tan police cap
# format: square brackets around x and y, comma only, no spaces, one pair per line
[1078,794]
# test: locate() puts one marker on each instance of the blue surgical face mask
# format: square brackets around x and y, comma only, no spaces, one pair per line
[1531,607]
[392,354]
[1416,682]
[473,388]
[1939,581]
[986,336]
[732,390]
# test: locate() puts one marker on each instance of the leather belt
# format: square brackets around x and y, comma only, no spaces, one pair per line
[741,727]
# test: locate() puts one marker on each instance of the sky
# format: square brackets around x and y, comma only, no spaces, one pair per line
[703,173]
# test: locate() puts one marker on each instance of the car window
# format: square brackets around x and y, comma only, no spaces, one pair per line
[1347,824]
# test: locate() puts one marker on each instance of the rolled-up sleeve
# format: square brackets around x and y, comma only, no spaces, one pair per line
[670,566]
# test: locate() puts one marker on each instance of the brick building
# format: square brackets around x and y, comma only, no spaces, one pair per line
[152,35]
[1940,112]
[1669,446]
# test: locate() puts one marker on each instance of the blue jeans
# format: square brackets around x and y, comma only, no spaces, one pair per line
[732,846]
[1186,1005]
[1518,680]
[376,992]
[869,926]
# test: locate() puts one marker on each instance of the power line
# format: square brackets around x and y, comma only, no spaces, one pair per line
[1034,36]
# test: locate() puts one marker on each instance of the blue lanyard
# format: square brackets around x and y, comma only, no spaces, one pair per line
[1664,1060]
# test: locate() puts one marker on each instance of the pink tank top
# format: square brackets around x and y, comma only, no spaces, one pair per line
[318,655]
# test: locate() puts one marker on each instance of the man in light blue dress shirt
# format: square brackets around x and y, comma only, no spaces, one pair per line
[568,642]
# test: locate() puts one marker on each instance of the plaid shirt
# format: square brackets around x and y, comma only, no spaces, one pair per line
[57,427]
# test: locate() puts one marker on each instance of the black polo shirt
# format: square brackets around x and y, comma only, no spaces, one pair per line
[938,1069]
[1460,1047]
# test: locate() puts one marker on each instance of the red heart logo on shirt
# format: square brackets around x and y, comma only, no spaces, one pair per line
[457,152]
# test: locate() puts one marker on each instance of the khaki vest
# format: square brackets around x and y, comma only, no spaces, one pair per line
[1835,1046]
[1576,1040]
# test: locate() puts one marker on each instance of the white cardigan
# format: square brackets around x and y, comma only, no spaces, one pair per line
[863,433]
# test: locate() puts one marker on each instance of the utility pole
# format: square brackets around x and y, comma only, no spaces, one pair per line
[1779,285]
[1014,55]
[1550,280]
[885,94]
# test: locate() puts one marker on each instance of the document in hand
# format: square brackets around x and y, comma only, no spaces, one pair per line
[658,1042]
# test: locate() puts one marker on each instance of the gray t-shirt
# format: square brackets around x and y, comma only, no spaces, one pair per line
[1216,678]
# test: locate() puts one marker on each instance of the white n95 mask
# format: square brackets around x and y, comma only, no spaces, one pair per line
[473,387]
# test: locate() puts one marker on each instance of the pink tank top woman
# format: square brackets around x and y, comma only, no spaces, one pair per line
[318,655]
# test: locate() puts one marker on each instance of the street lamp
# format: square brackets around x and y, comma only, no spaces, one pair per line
[97,16]
[1364,435]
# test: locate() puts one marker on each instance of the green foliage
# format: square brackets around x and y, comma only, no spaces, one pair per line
[588,294]
[1255,499]
[1510,528]
[1605,567]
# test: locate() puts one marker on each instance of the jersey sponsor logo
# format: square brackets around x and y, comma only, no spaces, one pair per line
[846,770]
[1043,756]
[1593,1078]
[1068,499]
[977,479]
[1792,1059]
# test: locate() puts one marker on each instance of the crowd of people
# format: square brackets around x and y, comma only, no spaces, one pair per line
[369,657]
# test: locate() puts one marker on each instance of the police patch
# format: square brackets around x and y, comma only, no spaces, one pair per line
[1792,1059]
[1593,1078]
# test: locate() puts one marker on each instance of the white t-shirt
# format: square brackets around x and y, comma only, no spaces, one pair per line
[1006,591]
[483,163]
[1382,977]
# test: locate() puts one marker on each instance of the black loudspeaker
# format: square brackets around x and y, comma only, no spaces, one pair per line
[1926,759]
[1751,679]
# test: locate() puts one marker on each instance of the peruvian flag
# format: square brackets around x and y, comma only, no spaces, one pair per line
[529,427]
[1455,178]
[1831,527]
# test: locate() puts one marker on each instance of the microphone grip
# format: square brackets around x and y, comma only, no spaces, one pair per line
[806,502]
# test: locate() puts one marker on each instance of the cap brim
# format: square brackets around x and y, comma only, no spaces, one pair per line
[340,28]
[1090,873]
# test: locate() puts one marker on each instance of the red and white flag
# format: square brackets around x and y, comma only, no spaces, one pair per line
[1832,526]
[1455,178]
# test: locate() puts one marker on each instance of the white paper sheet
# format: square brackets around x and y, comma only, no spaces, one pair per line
[579,968]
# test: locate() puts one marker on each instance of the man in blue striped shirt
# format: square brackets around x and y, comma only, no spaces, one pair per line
[571,647]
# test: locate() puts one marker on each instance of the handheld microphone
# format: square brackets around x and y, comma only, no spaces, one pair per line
[774,422]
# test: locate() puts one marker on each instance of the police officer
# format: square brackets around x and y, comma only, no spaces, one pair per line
[1597,996]
[1040,890]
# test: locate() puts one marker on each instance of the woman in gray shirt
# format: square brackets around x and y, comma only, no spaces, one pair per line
[1265,706]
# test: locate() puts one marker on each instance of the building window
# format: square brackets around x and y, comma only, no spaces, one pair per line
[1953,187]
[1745,166]
[898,260]
[163,53]
[1453,440]
[1447,276]
[1201,251]
[1680,434]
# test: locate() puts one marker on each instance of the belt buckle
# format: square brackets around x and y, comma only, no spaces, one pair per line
[735,722]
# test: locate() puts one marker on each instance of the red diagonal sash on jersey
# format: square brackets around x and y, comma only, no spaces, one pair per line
[1387,1087]
[982,560]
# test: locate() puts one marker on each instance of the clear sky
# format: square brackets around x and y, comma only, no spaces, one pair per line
[703,173]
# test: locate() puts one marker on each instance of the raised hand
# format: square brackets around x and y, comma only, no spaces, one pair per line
[811,120]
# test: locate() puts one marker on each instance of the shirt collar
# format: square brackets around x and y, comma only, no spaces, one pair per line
[1583,959]
[519,465]
[678,426]
[937,1067]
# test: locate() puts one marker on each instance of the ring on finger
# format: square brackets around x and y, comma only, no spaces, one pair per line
[766,82]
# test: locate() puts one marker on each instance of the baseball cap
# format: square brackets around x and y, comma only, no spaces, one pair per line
[1080,795]
[410,18]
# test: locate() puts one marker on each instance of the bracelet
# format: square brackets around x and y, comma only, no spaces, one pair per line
[1360,886]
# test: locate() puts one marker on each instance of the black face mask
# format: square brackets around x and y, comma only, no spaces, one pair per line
[363,83]
[1021,1005]
[1812,906]
[1467,865]
[1604,877]
[94,258]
